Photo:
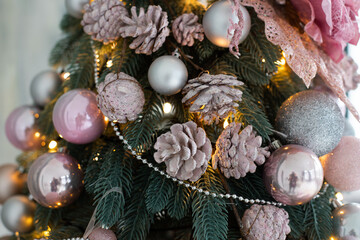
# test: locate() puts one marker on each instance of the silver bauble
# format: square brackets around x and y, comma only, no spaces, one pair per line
[17,214]
[216,23]
[12,181]
[293,175]
[43,87]
[311,119]
[167,75]
[347,220]
[55,180]
[75,7]
[351,197]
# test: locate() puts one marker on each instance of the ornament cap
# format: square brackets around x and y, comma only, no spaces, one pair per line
[336,203]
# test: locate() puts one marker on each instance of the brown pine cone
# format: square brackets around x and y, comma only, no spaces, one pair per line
[186,28]
[213,96]
[149,29]
[102,19]
[237,152]
[185,150]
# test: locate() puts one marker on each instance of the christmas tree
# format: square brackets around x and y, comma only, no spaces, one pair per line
[176,120]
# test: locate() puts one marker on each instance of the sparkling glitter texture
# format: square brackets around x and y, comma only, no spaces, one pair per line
[311,119]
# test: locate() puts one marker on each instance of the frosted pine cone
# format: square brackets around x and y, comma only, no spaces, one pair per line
[120,97]
[186,28]
[102,19]
[213,96]
[185,150]
[265,222]
[149,29]
[237,152]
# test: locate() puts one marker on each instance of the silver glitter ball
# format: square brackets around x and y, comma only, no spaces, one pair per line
[216,23]
[18,214]
[75,7]
[311,119]
[167,75]
[43,87]
[347,221]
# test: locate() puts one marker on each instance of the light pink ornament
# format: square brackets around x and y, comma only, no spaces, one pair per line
[120,97]
[102,234]
[21,130]
[77,118]
[341,166]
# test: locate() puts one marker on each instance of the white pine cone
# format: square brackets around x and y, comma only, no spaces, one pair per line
[186,29]
[213,96]
[149,29]
[237,152]
[102,18]
[185,150]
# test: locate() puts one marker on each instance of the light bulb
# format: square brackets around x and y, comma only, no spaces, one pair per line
[167,107]
[52,145]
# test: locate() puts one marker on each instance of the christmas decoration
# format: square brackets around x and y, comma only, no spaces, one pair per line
[350,75]
[341,165]
[102,19]
[186,29]
[12,181]
[149,29]
[265,222]
[120,97]
[21,130]
[349,197]
[43,87]
[167,75]
[102,234]
[213,96]
[311,119]
[224,22]
[185,150]
[75,7]
[347,221]
[293,175]
[237,152]
[77,118]
[17,214]
[55,180]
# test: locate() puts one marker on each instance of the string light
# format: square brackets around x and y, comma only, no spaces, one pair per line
[226,123]
[339,196]
[109,64]
[167,107]
[46,233]
[66,75]
[37,134]
[263,60]
[52,145]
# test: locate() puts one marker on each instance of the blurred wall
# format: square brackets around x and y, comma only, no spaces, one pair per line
[28,31]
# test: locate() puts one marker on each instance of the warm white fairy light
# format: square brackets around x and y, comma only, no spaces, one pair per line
[167,107]
[226,123]
[109,64]
[66,75]
[339,196]
[52,145]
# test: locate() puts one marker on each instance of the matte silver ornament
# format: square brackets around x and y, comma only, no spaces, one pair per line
[43,87]
[75,7]
[216,23]
[17,214]
[167,75]
[347,220]
[311,119]
[12,181]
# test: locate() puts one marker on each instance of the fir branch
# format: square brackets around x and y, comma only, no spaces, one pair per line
[46,217]
[179,202]
[70,24]
[66,232]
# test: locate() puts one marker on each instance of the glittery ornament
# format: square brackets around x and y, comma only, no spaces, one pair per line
[186,29]
[149,29]
[213,96]
[346,220]
[102,234]
[311,119]
[293,175]
[341,166]
[237,152]
[102,19]
[265,222]
[185,150]
[120,97]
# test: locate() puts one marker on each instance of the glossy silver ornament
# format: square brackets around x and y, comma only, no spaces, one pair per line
[346,220]
[350,197]
[293,175]
[75,7]
[55,180]
[311,119]
[216,23]
[167,75]
[12,181]
[17,214]
[43,87]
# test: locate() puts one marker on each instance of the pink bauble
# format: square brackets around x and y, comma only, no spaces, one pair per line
[77,118]
[102,234]
[341,166]
[55,180]
[21,129]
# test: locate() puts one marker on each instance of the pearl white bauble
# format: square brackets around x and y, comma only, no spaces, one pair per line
[216,23]
[167,75]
